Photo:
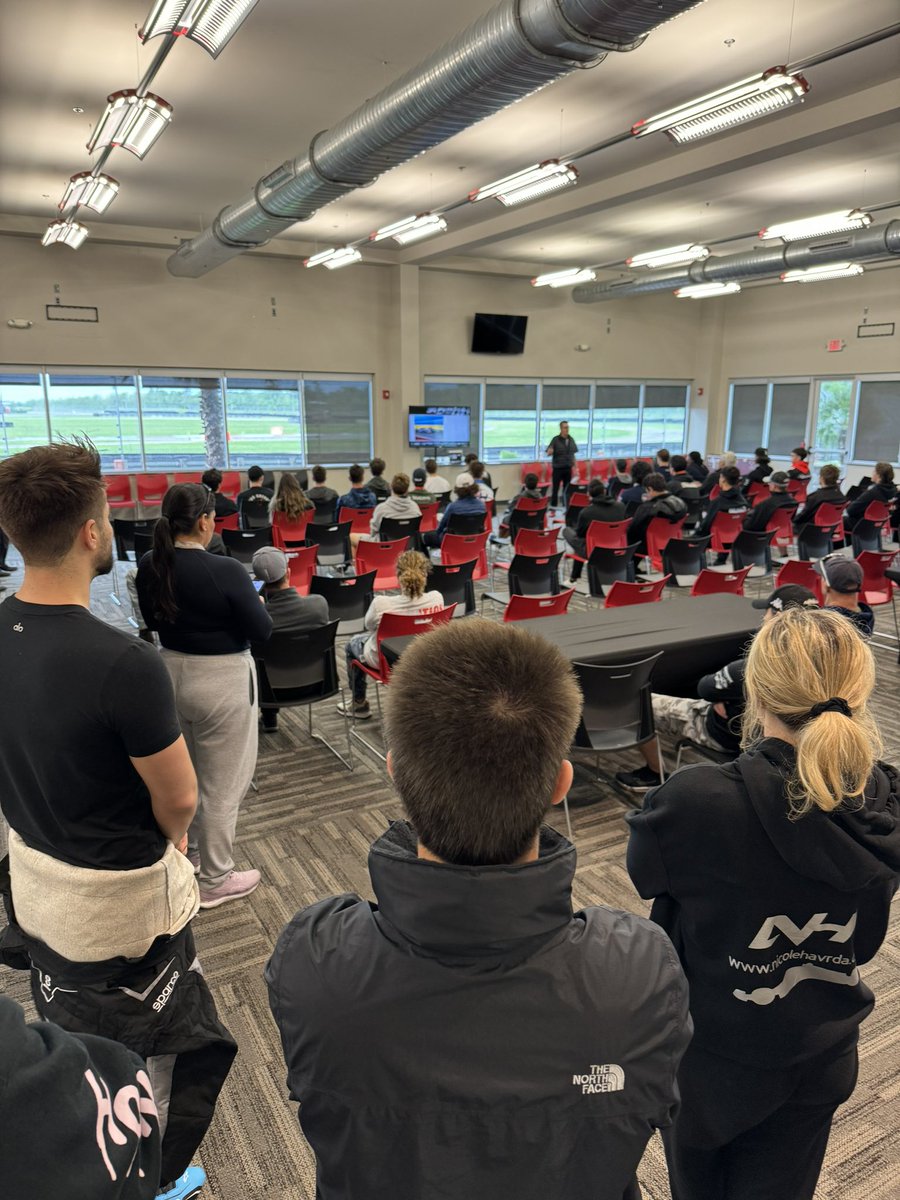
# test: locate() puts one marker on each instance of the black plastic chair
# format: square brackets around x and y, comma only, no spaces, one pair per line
[465,523]
[455,584]
[525,519]
[866,535]
[393,529]
[534,575]
[124,532]
[268,480]
[694,504]
[443,498]
[348,598]
[326,511]
[752,548]
[815,541]
[296,669]
[254,514]
[618,708]
[242,544]
[143,544]
[684,556]
[608,565]
[333,542]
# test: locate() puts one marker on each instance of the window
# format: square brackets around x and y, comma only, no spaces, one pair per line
[771,413]
[263,421]
[183,422]
[747,420]
[338,420]
[662,421]
[102,407]
[617,410]
[787,422]
[510,422]
[566,402]
[877,421]
[23,417]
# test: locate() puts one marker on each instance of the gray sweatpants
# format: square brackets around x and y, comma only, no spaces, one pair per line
[216,699]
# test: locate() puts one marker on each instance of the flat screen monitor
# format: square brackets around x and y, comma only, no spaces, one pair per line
[439,425]
[498,333]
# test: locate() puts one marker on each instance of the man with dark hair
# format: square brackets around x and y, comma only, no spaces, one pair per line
[378,484]
[99,799]
[601,508]
[324,498]
[360,494]
[419,493]
[729,500]
[828,492]
[253,501]
[562,450]
[621,479]
[213,480]
[633,496]
[663,464]
[760,516]
[485,473]
[476,470]
[496,1042]
[437,484]
[658,503]
[679,479]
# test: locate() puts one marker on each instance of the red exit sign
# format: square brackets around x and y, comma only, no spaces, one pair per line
[835,344]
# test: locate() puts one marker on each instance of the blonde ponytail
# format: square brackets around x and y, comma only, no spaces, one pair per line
[412,573]
[812,671]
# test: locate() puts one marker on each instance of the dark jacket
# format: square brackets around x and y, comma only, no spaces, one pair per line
[761,471]
[380,486]
[466,504]
[806,515]
[632,495]
[885,493]
[672,508]
[289,610]
[759,517]
[602,509]
[618,483]
[725,687]
[733,501]
[471,1036]
[254,501]
[709,483]
[358,497]
[681,480]
[863,617]
[325,499]
[225,507]
[697,471]
[772,915]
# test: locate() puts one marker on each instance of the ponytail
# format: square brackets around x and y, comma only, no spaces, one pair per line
[412,573]
[182,507]
[834,761]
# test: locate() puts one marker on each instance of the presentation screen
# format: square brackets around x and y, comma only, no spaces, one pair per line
[439,425]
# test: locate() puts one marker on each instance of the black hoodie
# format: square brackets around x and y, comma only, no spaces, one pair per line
[471,1036]
[771,916]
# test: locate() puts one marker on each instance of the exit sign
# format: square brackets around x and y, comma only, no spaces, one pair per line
[835,344]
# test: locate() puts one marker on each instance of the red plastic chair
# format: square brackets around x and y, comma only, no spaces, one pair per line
[780,524]
[622,595]
[528,504]
[233,521]
[877,588]
[716,583]
[876,511]
[600,468]
[118,491]
[380,557]
[188,477]
[832,514]
[659,531]
[151,489]
[535,541]
[801,572]
[756,492]
[302,567]
[579,500]
[287,533]
[457,548]
[724,529]
[533,468]
[798,489]
[612,535]
[231,484]
[429,520]
[524,608]
[360,518]
[716,491]
[394,625]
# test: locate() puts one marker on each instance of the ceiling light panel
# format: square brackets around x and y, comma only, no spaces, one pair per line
[671,256]
[334,258]
[210,23]
[844,270]
[67,233]
[558,279]
[525,185]
[91,191]
[411,229]
[809,227]
[700,291]
[131,121]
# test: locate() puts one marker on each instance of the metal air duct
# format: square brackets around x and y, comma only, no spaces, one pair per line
[768,260]
[515,49]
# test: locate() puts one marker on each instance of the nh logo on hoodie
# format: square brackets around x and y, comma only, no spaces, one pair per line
[767,936]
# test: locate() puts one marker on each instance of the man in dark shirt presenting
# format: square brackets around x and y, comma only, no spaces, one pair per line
[99,793]
[562,448]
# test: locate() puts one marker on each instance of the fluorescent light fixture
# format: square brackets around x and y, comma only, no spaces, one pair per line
[672,256]
[744,101]
[844,270]
[334,257]
[209,23]
[525,185]
[69,233]
[557,279]
[699,291]
[131,121]
[92,191]
[809,227]
[411,229]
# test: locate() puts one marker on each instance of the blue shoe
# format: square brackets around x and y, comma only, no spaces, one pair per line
[188,1185]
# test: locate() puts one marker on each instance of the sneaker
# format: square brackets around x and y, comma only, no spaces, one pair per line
[235,886]
[636,781]
[194,860]
[186,1186]
[359,712]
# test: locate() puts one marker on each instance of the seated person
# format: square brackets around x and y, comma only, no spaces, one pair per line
[697,468]
[224,506]
[679,478]
[601,508]
[729,500]
[882,489]
[763,468]
[287,608]
[398,505]
[530,490]
[663,464]
[779,497]
[633,496]
[448,1032]
[437,484]
[290,500]
[621,480]
[378,484]
[324,498]
[827,492]
[419,492]
[843,583]
[254,500]
[658,503]
[468,501]
[799,466]
[715,718]
[728,459]
[485,473]
[412,575]
[476,470]
[360,494]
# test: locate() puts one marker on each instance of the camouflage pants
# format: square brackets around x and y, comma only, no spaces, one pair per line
[680,718]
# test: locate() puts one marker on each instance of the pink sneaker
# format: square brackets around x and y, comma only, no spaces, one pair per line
[235,886]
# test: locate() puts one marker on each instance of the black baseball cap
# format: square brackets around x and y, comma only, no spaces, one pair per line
[843,575]
[789,595]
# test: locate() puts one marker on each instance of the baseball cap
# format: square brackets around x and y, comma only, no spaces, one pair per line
[463,479]
[270,564]
[419,476]
[789,595]
[843,575]
[779,478]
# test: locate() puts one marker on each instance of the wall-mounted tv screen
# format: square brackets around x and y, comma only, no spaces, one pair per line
[498,333]
[439,425]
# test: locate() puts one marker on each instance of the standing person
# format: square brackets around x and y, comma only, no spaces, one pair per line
[562,450]
[828,492]
[882,489]
[99,797]
[774,877]
[546,1040]
[468,501]
[324,498]
[206,612]
[253,501]
[601,508]
[437,484]
[225,507]
[378,484]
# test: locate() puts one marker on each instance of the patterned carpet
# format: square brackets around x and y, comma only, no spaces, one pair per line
[308,830]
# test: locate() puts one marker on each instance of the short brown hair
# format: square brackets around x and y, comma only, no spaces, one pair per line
[46,495]
[400,484]
[655,482]
[829,474]
[356,473]
[319,475]
[376,466]
[477,793]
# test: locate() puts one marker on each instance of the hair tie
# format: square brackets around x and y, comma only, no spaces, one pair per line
[835,704]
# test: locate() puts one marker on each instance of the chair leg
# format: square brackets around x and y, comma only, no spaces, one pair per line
[568,818]
[662,765]
[679,752]
[318,737]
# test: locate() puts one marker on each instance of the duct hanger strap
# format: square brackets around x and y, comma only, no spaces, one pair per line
[579,27]
[219,232]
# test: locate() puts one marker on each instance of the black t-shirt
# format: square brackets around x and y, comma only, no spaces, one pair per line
[255,500]
[79,699]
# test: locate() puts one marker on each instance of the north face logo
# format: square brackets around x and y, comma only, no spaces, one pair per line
[605,1077]
[767,936]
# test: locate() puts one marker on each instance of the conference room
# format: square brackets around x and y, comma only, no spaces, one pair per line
[551,316]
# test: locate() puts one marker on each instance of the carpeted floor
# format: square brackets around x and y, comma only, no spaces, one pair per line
[308,830]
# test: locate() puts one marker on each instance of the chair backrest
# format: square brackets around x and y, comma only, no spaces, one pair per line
[755,492]
[798,488]
[333,540]
[876,588]
[297,666]
[465,523]
[829,514]
[521,518]
[348,598]
[254,514]
[231,484]
[781,526]
[613,534]
[232,521]
[694,503]
[454,582]
[715,491]
[124,532]
[876,510]
[143,544]
[394,625]
[188,476]
[529,504]
[610,564]
[659,533]
[286,532]
[523,608]
[443,499]
[684,556]
[534,575]
[618,711]
[724,529]
[621,595]
[866,535]
[151,488]
[752,548]
[118,490]
[405,529]
[713,583]
[381,557]
[359,519]
[535,541]
[801,572]
[429,521]
[533,468]
[242,544]
[815,541]
[324,511]
[302,567]
[459,548]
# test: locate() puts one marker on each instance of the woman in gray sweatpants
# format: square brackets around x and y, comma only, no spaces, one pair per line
[206,612]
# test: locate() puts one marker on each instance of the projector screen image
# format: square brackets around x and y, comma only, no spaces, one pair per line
[437,425]
[498,333]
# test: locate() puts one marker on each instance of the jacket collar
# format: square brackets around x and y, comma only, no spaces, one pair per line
[471,914]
